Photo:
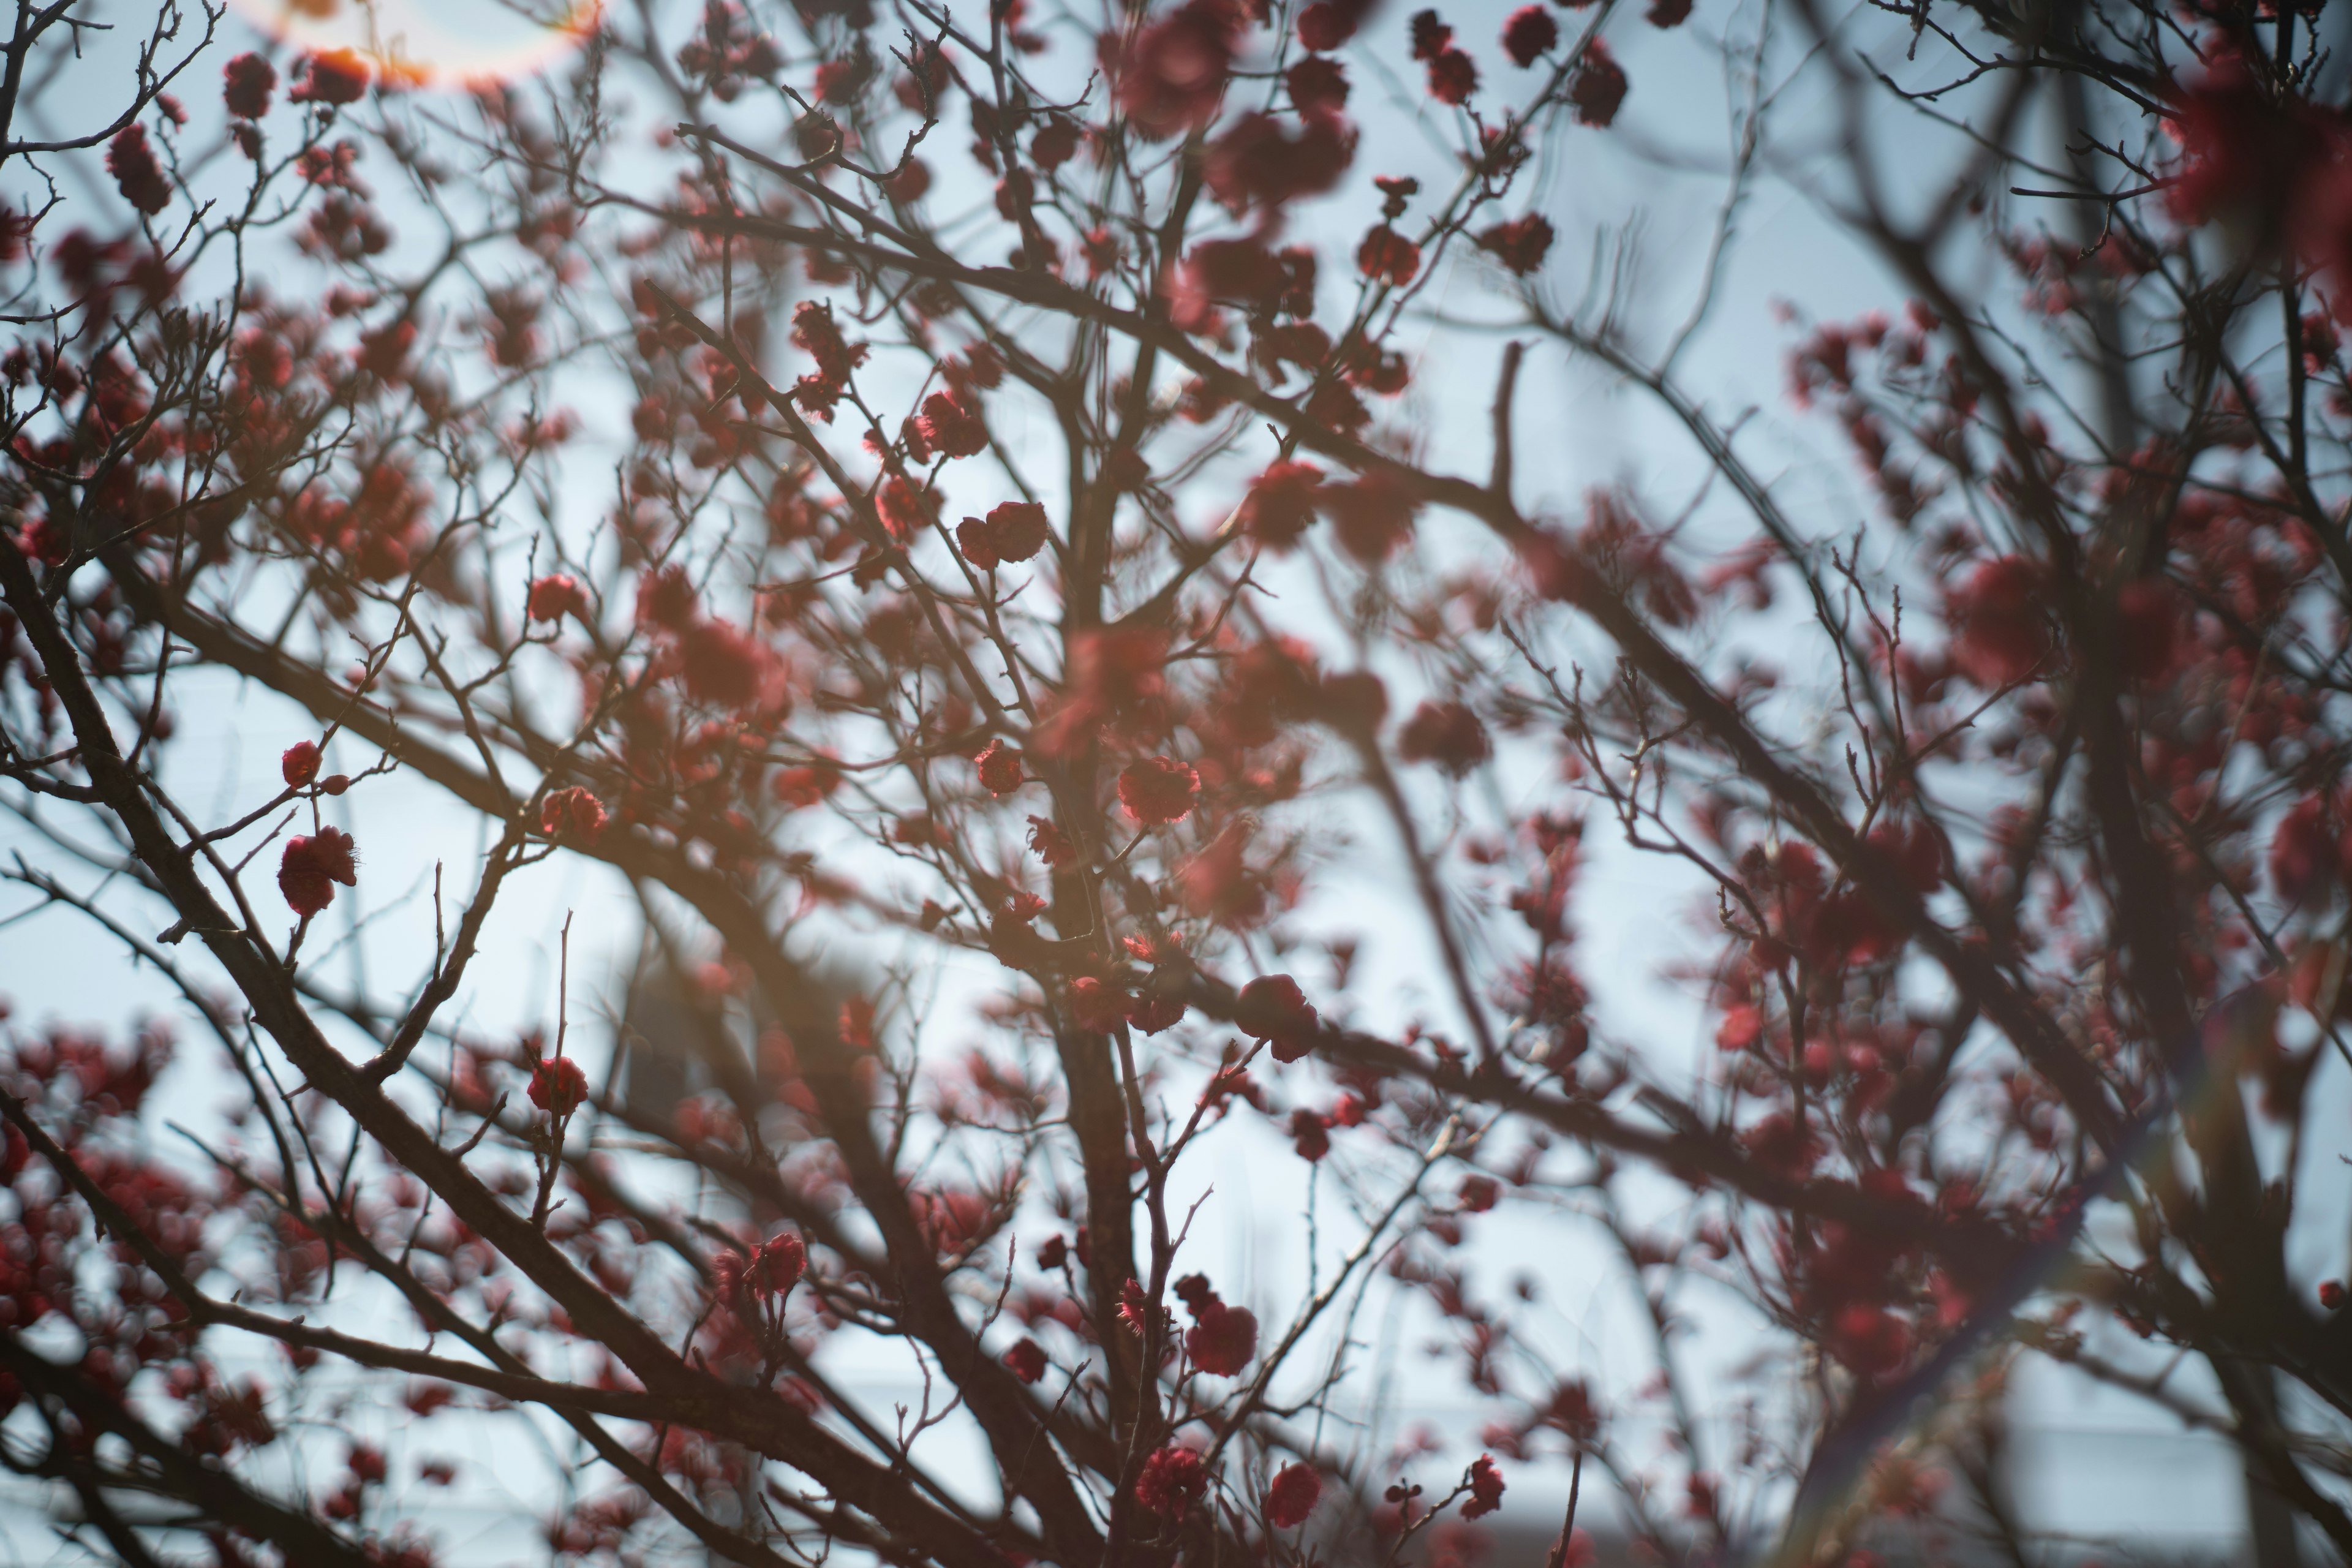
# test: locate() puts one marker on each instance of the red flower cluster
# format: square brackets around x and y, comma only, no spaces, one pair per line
[132,163]
[815,333]
[308,870]
[574,812]
[1258,163]
[1453,75]
[1174,1480]
[1014,530]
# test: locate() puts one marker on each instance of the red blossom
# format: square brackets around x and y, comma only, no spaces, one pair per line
[1310,1134]
[1056,142]
[905,509]
[1318,84]
[1598,87]
[1530,35]
[2000,634]
[558,1086]
[574,813]
[1052,845]
[2307,855]
[1485,1484]
[1430,35]
[1388,256]
[298,765]
[815,333]
[1281,503]
[1521,244]
[1257,163]
[1327,24]
[1266,1011]
[1026,1360]
[776,1265]
[722,665]
[555,596]
[311,866]
[1372,516]
[1453,77]
[1292,1495]
[1222,1340]
[1013,530]
[1000,768]
[1096,1007]
[953,426]
[1446,734]
[1158,790]
[246,83]
[1173,76]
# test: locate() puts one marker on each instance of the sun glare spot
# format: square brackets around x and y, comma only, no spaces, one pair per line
[432,42]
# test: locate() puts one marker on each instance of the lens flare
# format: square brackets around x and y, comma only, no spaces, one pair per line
[432,42]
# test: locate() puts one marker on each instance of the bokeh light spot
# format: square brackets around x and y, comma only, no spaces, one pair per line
[432,42]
